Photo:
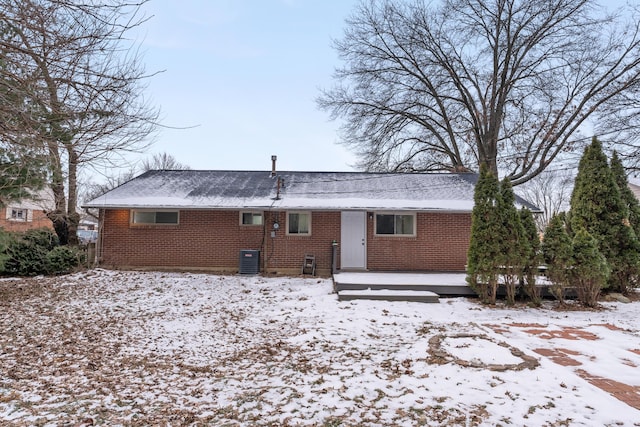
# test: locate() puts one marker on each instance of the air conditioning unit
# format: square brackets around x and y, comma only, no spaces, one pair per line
[249,261]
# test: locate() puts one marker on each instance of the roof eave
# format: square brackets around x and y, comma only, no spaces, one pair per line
[282,208]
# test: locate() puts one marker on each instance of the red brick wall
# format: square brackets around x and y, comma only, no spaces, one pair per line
[441,244]
[213,240]
[39,220]
[285,253]
[203,239]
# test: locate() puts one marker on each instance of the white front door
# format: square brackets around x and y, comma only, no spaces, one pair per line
[353,242]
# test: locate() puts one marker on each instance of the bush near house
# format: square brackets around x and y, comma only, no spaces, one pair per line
[513,239]
[484,257]
[36,252]
[557,252]
[500,250]
[591,248]
[532,257]
[590,269]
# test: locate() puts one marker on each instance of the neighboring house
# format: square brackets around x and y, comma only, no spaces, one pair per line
[27,213]
[634,185]
[204,219]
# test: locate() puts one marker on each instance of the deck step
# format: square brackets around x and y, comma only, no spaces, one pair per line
[388,295]
[442,284]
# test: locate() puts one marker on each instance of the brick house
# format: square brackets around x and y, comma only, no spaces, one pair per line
[26,214]
[208,219]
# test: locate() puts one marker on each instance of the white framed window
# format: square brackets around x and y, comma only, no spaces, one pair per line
[151,217]
[19,214]
[395,224]
[251,218]
[299,223]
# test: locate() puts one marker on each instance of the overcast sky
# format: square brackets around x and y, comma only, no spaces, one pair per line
[245,74]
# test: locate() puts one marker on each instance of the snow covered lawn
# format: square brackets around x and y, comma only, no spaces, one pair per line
[148,348]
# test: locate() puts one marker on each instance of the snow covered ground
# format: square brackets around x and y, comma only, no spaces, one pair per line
[149,348]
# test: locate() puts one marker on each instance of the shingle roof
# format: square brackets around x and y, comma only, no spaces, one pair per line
[298,190]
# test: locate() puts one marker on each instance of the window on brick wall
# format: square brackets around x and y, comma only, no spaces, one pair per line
[147,217]
[251,218]
[393,224]
[18,214]
[299,223]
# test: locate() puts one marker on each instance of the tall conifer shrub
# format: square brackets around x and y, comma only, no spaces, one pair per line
[557,253]
[597,207]
[532,256]
[590,270]
[485,251]
[511,239]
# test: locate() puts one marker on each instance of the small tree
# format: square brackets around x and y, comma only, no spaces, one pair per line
[484,255]
[557,252]
[512,241]
[590,269]
[532,256]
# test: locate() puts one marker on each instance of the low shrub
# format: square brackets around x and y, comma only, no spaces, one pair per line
[64,259]
[25,258]
[36,252]
[43,237]
[5,241]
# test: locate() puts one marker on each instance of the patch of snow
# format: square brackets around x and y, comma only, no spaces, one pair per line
[155,348]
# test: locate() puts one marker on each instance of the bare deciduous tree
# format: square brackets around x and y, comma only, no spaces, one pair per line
[163,161]
[551,192]
[455,84]
[158,161]
[81,83]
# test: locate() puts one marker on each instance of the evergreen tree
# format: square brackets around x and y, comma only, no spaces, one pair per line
[590,269]
[532,259]
[485,250]
[557,253]
[629,199]
[627,276]
[597,207]
[21,174]
[22,169]
[512,241]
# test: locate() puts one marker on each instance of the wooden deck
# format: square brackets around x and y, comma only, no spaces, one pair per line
[422,287]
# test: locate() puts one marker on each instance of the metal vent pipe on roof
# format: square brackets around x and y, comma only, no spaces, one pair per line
[273,165]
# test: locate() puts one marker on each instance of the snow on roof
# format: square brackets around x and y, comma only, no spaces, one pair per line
[293,190]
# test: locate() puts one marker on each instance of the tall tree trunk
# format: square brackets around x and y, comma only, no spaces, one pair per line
[73,217]
[58,214]
[488,153]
